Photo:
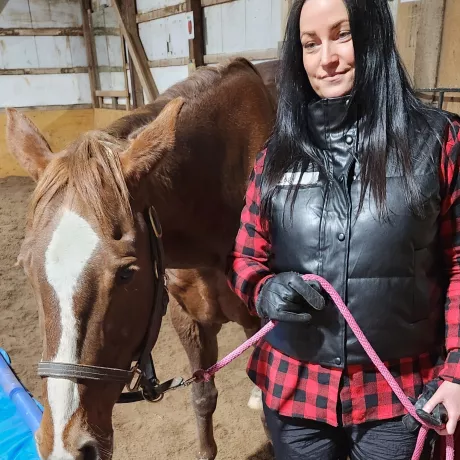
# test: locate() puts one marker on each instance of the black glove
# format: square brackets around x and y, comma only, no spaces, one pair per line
[437,418]
[287,297]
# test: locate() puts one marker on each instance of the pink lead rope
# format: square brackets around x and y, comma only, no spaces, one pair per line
[205,375]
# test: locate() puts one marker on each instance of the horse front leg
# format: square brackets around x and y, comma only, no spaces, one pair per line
[200,344]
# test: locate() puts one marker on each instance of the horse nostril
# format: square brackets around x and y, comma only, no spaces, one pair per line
[88,452]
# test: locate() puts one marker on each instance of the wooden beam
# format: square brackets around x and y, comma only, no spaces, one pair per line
[112,93]
[43,32]
[285,10]
[161,12]
[44,71]
[428,45]
[196,44]
[111,106]
[255,55]
[106,31]
[407,24]
[139,59]
[129,17]
[109,68]
[125,71]
[90,51]
[50,107]
[214,2]
[170,62]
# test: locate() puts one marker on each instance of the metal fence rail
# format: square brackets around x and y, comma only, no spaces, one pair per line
[441,91]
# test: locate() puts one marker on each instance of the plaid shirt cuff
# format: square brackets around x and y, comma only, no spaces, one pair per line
[259,286]
[451,370]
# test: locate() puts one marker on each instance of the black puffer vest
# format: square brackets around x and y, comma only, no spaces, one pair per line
[389,273]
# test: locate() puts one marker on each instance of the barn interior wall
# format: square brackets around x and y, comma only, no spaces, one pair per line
[249,27]
[449,65]
[42,52]
[407,26]
[240,26]
[59,127]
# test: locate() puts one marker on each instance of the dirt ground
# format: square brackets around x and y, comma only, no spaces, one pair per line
[164,430]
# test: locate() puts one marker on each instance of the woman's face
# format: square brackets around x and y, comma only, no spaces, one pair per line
[328,54]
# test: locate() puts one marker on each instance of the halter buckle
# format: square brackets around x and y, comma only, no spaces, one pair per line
[137,379]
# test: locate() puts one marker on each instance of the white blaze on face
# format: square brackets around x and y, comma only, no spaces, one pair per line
[71,246]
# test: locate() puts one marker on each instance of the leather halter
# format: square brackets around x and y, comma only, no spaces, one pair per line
[141,381]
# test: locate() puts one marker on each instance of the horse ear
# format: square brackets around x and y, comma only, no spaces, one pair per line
[152,143]
[26,143]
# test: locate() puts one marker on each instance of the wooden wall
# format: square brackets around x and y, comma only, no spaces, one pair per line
[449,65]
[410,35]
[60,127]
[46,69]
[103,117]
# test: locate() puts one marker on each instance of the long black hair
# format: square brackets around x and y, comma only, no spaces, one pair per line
[382,95]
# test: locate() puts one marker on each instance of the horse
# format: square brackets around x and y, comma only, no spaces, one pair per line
[181,163]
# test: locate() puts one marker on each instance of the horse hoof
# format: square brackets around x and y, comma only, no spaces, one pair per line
[255,400]
[202,456]
[209,455]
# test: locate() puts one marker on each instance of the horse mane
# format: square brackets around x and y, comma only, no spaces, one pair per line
[193,89]
[90,173]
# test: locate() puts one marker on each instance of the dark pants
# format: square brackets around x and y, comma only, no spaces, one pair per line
[299,439]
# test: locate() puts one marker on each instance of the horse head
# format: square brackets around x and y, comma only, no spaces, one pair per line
[87,255]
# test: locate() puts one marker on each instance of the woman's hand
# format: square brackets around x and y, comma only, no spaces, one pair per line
[287,297]
[449,395]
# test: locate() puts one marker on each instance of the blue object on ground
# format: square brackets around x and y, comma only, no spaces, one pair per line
[20,416]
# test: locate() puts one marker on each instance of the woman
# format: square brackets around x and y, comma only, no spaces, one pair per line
[359,184]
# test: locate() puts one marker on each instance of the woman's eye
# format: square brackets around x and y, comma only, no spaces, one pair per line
[345,34]
[309,45]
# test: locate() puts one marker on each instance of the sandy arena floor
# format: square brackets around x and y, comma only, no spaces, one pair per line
[142,431]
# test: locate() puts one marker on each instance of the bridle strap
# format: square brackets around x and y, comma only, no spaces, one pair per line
[146,384]
[81,371]
[145,363]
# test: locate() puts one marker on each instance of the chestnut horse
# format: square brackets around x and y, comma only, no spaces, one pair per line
[87,246]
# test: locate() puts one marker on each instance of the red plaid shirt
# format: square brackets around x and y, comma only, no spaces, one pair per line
[356,394]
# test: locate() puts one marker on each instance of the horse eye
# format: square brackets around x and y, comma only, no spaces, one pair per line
[125,274]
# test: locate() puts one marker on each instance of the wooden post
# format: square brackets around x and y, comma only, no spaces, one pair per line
[125,72]
[139,59]
[90,53]
[428,45]
[196,44]
[285,9]
[128,12]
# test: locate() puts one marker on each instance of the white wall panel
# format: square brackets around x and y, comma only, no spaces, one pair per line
[154,38]
[213,29]
[276,34]
[33,90]
[166,76]
[41,13]
[114,51]
[42,52]
[242,25]
[18,52]
[112,81]
[165,38]
[16,14]
[78,51]
[102,52]
[147,5]
[258,24]
[53,51]
[55,13]
[233,26]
